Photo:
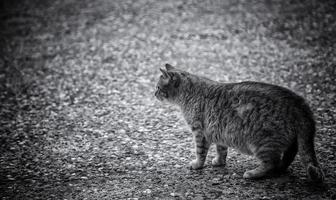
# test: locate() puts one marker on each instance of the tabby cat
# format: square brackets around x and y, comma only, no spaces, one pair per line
[267,121]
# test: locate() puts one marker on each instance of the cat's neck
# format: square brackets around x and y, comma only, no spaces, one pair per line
[195,92]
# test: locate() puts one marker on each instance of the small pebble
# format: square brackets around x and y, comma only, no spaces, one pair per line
[147,191]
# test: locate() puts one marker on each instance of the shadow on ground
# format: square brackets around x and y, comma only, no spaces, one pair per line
[78,116]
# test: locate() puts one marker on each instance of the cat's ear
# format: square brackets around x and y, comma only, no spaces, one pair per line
[165,73]
[169,67]
[170,76]
[176,79]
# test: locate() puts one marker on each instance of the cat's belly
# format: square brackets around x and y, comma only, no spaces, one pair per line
[242,147]
[245,149]
[232,140]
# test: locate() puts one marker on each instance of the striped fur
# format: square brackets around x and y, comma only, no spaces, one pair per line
[269,122]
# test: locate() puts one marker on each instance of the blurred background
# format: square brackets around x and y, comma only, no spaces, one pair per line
[78,118]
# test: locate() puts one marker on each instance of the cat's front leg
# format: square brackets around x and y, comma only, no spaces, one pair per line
[201,148]
[220,158]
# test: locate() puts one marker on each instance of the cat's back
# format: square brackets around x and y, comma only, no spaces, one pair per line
[270,97]
[265,90]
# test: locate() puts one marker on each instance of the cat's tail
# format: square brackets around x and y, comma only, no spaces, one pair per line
[306,148]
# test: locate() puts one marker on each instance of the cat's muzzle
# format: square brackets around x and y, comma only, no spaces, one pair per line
[160,95]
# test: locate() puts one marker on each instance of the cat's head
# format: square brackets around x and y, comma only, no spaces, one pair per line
[170,82]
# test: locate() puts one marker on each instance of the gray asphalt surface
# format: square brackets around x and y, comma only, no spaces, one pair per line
[78,115]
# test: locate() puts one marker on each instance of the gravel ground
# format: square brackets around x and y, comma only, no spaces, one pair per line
[78,115]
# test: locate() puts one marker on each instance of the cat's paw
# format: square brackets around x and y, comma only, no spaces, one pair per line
[255,174]
[315,173]
[217,162]
[196,164]
[249,175]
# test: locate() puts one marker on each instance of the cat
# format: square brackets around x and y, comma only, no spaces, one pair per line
[266,121]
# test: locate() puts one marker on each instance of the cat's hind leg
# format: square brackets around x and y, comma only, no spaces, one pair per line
[220,158]
[270,160]
[288,156]
[201,148]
